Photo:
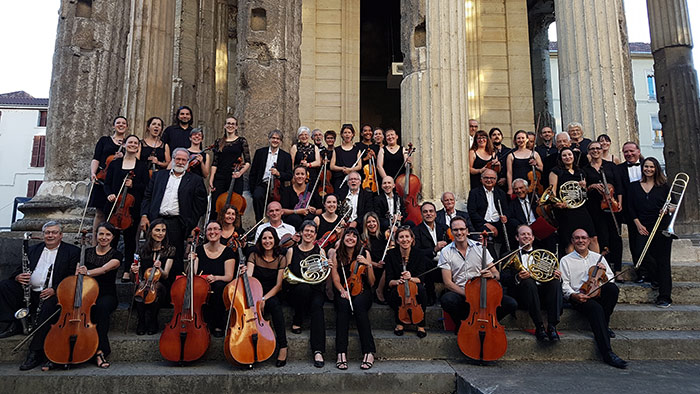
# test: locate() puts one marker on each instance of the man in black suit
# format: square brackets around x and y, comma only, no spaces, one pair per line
[180,198]
[431,237]
[523,212]
[360,200]
[50,262]
[445,215]
[388,204]
[261,170]
[487,209]
[627,173]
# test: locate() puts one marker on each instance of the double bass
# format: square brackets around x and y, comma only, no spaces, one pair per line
[186,337]
[73,339]
[408,187]
[230,197]
[480,336]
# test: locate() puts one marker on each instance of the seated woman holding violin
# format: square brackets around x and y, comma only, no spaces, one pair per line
[353,278]
[327,222]
[155,262]
[406,293]
[230,222]
[215,262]
[378,245]
[296,206]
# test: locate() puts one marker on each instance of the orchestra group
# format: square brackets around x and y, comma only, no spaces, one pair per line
[338,223]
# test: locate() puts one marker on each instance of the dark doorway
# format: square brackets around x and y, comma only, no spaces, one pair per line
[380,45]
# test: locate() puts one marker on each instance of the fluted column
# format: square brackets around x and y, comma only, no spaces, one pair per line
[434,94]
[679,105]
[595,73]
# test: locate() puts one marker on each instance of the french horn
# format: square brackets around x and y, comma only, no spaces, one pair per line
[314,270]
[541,265]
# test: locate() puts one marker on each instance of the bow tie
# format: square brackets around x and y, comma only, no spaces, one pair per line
[633,165]
[526,251]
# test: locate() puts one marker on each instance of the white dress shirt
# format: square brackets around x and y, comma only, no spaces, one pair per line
[271,160]
[634,172]
[492,214]
[574,271]
[449,217]
[525,206]
[170,206]
[463,267]
[353,198]
[46,260]
[281,230]
[390,202]
[432,232]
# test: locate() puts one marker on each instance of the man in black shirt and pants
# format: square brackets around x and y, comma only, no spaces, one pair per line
[178,135]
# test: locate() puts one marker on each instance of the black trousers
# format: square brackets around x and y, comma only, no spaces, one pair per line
[273,307]
[531,296]
[457,307]
[431,279]
[497,245]
[394,301]
[147,314]
[608,237]
[309,299]
[129,234]
[657,262]
[177,233]
[361,304]
[635,248]
[100,314]
[12,299]
[598,311]
[259,194]
[214,311]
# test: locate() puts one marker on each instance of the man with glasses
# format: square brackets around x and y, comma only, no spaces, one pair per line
[360,200]
[473,128]
[487,207]
[50,262]
[597,309]
[459,262]
[268,162]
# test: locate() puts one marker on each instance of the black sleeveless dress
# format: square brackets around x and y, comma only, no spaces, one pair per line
[520,167]
[479,163]
[571,219]
[393,163]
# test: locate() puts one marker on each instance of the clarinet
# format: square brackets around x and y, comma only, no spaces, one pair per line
[23,313]
[41,300]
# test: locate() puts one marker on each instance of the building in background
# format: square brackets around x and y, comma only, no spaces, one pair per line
[22,136]
[651,138]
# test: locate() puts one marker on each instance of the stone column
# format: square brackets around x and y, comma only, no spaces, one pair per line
[434,94]
[269,65]
[541,15]
[86,94]
[679,106]
[595,74]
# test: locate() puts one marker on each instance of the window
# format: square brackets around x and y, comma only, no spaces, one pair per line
[38,151]
[657,132]
[651,85]
[42,119]
[32,188]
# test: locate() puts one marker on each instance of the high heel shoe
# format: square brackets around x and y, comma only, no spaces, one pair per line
[318,363]
[281,363]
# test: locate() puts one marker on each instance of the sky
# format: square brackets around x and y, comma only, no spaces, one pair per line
[28,34]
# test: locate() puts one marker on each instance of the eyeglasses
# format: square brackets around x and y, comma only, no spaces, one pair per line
[456,230]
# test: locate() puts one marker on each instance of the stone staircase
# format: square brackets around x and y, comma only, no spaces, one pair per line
[644,332]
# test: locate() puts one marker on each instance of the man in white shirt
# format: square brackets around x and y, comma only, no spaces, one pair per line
[274,215]
[574,273]
[459,262]
[628,172]
[268,161]
[360,200]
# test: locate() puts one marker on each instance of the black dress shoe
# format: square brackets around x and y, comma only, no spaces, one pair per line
[540,334]
[281,363]
[421,334]
[611,333]
[33,360]
[552,333]
[612,359]
[11,330]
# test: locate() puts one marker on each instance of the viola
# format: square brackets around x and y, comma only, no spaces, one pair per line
[410,190]
[480,336]
[597,277]
[249,337]
[232,198]
[609,202]
[186,337]
[370,171]
[102,173]
[146,291]
[73,339]
[410,311]
[534,177]
[121,217]
[356,272]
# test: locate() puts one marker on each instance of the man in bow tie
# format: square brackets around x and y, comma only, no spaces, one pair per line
[627,173]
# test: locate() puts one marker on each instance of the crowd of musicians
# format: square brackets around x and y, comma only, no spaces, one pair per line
[347,203]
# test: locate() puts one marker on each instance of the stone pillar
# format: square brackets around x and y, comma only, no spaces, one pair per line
[540,17]
[595,74]
[149,63]
[434,94]
[86,89]
[679,106]
[269,64]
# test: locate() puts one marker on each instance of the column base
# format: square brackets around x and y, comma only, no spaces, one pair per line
[62,201]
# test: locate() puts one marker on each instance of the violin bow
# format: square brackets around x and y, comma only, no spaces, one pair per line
[359,158]
[111,211]
[391,234]
[347,289]
[311,193]
[87,202]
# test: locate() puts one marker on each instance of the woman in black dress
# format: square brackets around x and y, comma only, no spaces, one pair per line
[101,263]
[230,223]
[106,146]
[156,253]
[328,220]
[132,173]
[376,239]
[605,228]
[229,151]
[267,264]
[405,263]
[307,298]
[520,161]
[200,161]
[480,154]
[152,147]
[646,199]
[346,159]
[570,219]
[216,263]
[306,154]
[348,252]
[390,161]
[300,189]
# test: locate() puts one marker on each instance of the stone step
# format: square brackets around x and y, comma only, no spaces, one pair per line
[681,271]
[219,376]
[438,345]
[682,293]
[682,250]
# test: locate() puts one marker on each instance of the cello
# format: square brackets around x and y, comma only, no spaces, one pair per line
[232,198]
[73,339]
[186,337]
[480,336]
[120,216]
[410,311]
[249,337]
[410,190]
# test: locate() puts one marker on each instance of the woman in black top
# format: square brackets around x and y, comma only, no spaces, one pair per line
[328,220]
[216,263]
[119,170]
[106,146]
[570,219]
[306,154]
[229,151]
[101,263]
[156,253]
[299,190]
[348,252]
[152,148]
[608,235]
[480,154]
[405,263]
[230,223]
[376,239]
[200,162]
[520,161]
[390,161]
[267,264]
[308,298]
[346,159]
[646,199]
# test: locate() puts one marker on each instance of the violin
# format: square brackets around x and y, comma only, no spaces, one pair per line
[410,311]
[186,337]
[370,170]
[249,337]
[494,164]
[325,187]
[480,336]
[232,198]
[356,272]
[121,217]
[597,277]
[275,187]
[534,176]
[146,292]
[410,190]
[609,203]
[287,241]
[102,173]
[73,339]
[194,161]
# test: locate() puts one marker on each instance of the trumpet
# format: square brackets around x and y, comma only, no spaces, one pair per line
[541,266]
[314,270]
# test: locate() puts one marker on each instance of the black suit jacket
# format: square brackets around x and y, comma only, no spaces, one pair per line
[191,197]
[257,167]
[440,218]
[623,184]
[424,242]
[67,258]
[517,215]
[381,208]
[477,205]
[365,203]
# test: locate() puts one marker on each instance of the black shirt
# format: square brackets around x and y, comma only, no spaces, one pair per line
[107,281]
[177,137]
[213,266]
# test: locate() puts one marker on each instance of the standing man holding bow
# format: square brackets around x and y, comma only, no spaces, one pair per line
[262,171]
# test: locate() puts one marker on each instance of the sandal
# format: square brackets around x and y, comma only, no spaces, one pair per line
[398,331]
[49,366]
[318,363]
[101,361]
[421,334]
[366,364]
[343,363]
